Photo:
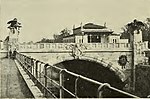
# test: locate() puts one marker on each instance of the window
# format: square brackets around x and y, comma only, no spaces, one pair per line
[47,45]
[41,45]
[114,41]
[80,40]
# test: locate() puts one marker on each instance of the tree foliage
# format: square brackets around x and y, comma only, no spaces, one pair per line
[137,25]
[63,33]
[44,40]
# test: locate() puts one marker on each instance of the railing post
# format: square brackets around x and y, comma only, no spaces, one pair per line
[40,72]
[101,89]
[61,82]
[32,63]
[25,59]
[76,86]
[33,68]
[36,69]
[45,80]
[17,56]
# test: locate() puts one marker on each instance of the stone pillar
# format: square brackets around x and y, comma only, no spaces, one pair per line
[136,38]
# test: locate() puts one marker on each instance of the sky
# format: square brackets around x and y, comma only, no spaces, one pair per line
[44,18]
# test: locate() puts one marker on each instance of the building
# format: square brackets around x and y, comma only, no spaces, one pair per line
[92,33]
[115,38]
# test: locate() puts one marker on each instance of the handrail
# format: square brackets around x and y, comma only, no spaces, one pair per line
[31,63]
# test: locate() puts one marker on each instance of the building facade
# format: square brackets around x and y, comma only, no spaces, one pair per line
[92,33]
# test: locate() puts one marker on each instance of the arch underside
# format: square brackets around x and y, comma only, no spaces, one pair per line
[91,69]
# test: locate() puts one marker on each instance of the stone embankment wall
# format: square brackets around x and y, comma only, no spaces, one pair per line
[142,81]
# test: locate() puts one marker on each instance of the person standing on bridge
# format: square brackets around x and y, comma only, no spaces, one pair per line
[14,54]
[10,54]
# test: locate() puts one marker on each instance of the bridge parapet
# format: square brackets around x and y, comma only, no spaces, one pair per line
[66,46]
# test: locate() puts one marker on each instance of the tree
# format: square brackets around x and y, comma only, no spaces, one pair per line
[44,40]
[146,32]
[143,26]
[63,33]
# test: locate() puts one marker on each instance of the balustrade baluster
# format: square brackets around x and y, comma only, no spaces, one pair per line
[108,45]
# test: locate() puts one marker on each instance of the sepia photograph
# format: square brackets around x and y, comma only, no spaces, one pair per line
[74,49]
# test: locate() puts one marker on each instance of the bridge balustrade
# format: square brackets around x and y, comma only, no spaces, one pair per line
[51,81]
[65,46]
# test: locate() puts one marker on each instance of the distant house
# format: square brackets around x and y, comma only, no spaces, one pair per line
[92,33]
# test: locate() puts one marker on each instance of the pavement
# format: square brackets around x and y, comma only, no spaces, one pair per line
[12,84]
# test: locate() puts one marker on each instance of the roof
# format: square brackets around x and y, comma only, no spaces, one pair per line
[115,34]
[97,31]
[93,26]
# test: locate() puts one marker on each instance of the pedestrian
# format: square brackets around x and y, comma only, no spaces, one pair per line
[14,54]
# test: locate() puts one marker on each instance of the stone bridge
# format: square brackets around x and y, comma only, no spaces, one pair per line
[105,54]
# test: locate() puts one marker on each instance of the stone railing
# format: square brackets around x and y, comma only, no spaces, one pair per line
[143,45]
[83,46]
[68,47]
[109,46]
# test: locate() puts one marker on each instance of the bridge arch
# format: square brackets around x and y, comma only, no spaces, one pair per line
[92,68]
[97,65]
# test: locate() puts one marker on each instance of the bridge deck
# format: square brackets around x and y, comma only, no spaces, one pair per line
[12,85]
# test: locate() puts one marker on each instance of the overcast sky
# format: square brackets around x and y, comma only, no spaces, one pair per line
[43,18]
